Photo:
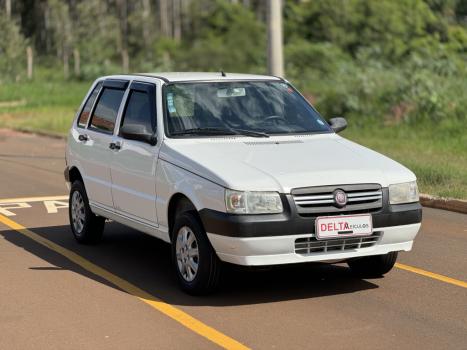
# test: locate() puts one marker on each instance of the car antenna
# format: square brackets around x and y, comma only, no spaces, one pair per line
[223,73]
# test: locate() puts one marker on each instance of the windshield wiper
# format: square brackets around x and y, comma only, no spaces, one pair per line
[249,132]
[204,131]
[219,131]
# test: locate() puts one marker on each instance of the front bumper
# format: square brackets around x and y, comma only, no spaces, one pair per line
[275,250]
[271,239]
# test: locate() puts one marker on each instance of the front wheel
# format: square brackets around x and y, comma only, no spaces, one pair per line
[373,266]
[85,225]
[196,263]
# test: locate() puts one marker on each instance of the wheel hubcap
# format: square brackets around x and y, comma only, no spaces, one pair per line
[186,248]
[78,214]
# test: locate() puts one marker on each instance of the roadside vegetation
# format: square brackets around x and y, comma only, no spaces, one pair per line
[439,161]
[395,69]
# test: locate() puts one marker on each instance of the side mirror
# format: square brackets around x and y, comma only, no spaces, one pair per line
[138,132]
[337,124]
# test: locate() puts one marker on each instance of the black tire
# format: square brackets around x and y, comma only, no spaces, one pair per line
[373,266]
[206,278]
[91,226]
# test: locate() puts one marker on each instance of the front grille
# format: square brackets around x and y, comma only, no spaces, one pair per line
[362,198]
[310,245]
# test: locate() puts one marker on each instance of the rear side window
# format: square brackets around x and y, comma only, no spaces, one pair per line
[106,110]
[84,116]
[140,110]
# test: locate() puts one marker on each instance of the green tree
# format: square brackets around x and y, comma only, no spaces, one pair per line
[12,49]
[224,36]
[97,31]
[388,27]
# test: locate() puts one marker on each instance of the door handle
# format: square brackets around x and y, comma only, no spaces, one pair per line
[115,146]
[83,137]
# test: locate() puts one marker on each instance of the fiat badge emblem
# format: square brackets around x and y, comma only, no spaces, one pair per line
[340,198]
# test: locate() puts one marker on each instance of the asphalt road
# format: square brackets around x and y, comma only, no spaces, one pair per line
[122,293]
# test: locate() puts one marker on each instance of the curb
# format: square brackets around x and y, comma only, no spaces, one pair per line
[42,133]
[53,135]
[457,205]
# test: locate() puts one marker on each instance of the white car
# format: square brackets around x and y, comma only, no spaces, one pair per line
[233,168]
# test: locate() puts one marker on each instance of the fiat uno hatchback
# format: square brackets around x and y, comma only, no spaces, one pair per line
[233,168]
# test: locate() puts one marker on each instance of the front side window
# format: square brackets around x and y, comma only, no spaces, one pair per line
[140,110]
[251,108]
[106,110]
[84,116]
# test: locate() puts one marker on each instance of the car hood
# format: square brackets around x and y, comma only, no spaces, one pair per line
[282,163]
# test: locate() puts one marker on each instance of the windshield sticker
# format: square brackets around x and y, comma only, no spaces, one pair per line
[231,92]
[286,87]
[170,103]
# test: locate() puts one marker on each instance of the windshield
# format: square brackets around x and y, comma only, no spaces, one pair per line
[256,109]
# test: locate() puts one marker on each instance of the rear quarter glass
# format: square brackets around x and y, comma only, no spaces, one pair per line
[84,116]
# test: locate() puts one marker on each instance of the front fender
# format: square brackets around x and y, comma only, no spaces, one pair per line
[172,179]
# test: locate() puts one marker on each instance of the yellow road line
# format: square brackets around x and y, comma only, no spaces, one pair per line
[432,275]
[176,314]
[33,199]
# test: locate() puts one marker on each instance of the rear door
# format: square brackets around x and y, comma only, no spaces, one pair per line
[96,154]
[134,162]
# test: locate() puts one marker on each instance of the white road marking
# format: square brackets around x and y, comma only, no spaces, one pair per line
[33,199]
[5,206]
[53,206]
[51,203]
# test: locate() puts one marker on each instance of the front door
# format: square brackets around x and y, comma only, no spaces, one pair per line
[133,167]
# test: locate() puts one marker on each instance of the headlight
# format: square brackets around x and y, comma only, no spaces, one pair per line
[237,202]
[403,193]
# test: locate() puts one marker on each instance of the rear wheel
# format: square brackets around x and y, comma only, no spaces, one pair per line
[196,263]
[373,266]
[85,225]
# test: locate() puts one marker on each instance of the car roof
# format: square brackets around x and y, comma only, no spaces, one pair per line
[199,76]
